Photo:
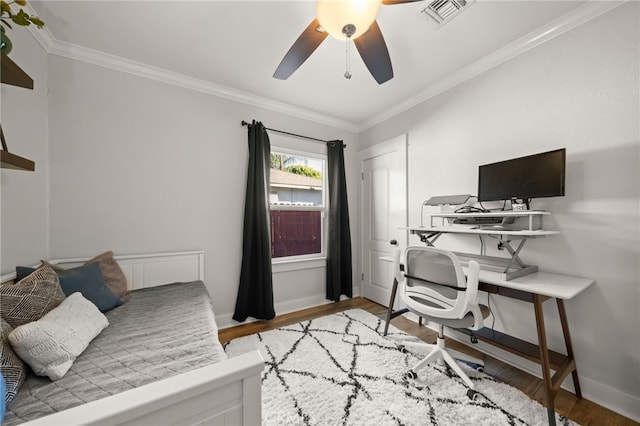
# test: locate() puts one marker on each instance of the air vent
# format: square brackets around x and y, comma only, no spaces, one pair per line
[442,11]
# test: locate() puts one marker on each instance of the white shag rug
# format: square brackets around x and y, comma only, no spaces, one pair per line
[340,370]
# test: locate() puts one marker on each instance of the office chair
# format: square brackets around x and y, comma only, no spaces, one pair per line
[434,287]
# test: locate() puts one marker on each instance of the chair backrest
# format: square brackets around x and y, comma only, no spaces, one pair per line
[434,284]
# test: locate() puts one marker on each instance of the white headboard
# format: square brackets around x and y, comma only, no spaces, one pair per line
[148,270]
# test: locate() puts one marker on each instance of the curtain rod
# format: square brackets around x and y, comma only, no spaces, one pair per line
[244,123]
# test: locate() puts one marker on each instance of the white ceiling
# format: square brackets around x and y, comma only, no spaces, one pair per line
[235,46]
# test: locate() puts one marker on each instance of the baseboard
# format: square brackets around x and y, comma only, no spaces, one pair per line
[294,305]
[606,396]
[281,308]
[620,402]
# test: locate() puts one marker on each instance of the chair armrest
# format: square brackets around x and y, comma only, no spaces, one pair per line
[473,273]
[397,273]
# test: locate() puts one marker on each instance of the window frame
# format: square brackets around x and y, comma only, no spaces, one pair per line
[321,208]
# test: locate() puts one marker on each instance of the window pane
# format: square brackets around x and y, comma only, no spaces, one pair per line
[295,233]
[296,180]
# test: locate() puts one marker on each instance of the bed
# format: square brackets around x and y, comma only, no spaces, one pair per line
[153,364]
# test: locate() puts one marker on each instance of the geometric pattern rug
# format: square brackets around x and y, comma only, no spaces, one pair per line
[340,370]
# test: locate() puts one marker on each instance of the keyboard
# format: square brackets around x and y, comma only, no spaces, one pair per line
[480,220]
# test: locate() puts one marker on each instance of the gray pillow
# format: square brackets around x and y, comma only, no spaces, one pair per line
[51,344]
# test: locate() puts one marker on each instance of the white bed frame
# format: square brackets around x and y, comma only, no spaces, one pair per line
[225,393]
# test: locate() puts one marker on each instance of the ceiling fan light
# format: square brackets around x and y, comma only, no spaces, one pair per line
[333,15]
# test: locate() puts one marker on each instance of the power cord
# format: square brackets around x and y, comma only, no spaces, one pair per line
[470,209]
[486,210]
[493,317]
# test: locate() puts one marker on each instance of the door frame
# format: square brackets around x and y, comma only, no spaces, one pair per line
[401,143]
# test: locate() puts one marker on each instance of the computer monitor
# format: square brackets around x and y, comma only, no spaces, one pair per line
[534,176]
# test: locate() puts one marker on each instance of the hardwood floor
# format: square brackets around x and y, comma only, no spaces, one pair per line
[581,411]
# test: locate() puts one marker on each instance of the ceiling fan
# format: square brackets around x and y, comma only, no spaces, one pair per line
[345,20]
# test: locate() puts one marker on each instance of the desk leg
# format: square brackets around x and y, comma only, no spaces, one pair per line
[394,289]
[390,312]
[568,345]
[544,357]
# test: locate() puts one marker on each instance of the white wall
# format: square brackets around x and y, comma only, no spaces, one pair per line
[578,91]
[24,213]
[142,166]
[133,165]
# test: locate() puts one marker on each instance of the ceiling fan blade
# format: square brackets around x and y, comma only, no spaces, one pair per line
[374,53]
[391,2]
[303,47]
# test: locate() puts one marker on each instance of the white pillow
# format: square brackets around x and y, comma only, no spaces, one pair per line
[51,344]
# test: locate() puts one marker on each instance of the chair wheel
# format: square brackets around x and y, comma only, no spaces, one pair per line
[472,394]
[402,349]
[480,369]
[411,375]
[474,339]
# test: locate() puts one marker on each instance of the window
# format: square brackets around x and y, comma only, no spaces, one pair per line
[297,203]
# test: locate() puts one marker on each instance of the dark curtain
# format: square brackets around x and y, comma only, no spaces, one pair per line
[339,279]
[255,293]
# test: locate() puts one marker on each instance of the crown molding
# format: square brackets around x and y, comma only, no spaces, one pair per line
[106,60]
[567,22]
[573,19]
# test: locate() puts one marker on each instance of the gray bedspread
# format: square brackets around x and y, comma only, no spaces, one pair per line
[160,332]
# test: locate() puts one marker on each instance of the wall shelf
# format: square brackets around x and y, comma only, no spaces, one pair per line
[13,75]
[15,162]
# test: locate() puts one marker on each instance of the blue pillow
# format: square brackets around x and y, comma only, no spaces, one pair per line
[3,389]
[23,272]
[86,279]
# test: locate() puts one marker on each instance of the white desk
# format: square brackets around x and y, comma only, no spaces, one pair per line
[557,286]
[534,288]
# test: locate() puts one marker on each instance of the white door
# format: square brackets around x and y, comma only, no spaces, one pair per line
[384,214]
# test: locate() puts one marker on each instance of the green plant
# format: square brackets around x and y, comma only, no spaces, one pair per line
[299,169]
[20,18]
